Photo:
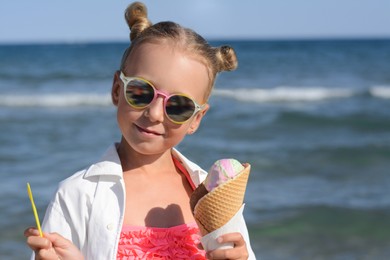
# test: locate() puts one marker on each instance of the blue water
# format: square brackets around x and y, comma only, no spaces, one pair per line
[312,118]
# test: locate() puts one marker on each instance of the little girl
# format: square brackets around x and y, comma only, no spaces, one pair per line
[134,202]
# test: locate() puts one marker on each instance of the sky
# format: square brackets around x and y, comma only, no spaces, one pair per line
[31,21]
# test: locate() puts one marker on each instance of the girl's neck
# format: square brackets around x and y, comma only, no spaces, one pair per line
[131,160]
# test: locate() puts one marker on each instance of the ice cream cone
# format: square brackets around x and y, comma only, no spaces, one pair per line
[214,209]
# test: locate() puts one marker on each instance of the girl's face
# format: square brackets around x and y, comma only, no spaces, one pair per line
[149,131]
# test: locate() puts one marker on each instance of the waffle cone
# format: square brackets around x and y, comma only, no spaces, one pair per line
[217,207]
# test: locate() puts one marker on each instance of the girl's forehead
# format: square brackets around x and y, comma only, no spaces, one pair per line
[155,55]
[154,51]
[170,69]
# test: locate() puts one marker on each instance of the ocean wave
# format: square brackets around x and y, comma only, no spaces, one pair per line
[315,191]
[380,92]
[299,94]
[278,94]
[49,76]
[55,100]
[290,94]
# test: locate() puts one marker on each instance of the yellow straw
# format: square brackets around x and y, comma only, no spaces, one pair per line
[34,209]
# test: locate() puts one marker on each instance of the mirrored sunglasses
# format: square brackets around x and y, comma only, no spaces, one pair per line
[140,93]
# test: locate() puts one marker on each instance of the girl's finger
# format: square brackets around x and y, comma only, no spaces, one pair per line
[224,254]
[46,255]
[57,240]
[31,231]
[235,238]
[239,251]
[37,243]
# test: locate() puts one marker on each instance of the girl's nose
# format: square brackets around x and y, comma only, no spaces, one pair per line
[155,111]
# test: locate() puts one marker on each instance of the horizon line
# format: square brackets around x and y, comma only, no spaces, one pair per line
[215,39]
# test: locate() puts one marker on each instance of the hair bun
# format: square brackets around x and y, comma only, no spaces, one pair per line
[136,16]
[227,58]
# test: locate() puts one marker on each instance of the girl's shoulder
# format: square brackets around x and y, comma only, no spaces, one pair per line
[107,169]
[197,174]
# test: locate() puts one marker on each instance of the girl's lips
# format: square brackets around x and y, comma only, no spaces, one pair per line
[144,130]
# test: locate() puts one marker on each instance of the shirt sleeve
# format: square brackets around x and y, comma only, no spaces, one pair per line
[55,221]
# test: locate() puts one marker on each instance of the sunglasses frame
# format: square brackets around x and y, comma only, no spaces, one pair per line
[126,80]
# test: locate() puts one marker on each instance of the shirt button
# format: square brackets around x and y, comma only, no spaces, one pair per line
[110,226]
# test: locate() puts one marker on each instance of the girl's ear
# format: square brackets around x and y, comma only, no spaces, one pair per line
[195,123]
[116,89]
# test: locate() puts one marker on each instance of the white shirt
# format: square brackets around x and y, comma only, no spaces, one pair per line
[88,207]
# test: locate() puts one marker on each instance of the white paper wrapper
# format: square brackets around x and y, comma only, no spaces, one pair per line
[209,241]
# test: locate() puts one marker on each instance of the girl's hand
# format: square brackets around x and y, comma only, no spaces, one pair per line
[51,246]
[239,251]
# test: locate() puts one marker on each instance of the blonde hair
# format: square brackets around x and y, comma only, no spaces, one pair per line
[216,59]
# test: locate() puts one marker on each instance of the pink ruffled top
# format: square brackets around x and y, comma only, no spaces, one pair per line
[178,242]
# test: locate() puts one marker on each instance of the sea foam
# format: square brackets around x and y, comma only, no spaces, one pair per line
[255,95]
[380,92]
[55,100]
[290,94]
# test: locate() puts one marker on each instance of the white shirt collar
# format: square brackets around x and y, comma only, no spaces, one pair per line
[110,164]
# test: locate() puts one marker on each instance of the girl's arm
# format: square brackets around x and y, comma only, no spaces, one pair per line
[51,246]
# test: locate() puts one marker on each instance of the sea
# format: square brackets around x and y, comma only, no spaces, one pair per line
[312,117]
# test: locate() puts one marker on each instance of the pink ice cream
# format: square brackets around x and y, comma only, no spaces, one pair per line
[221,171]
[217,200]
